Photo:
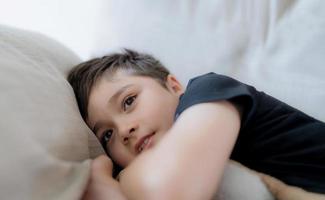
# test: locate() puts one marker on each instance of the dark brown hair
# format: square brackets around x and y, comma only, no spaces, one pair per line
[85,75]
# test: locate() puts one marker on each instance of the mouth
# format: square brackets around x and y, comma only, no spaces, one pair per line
[144,143]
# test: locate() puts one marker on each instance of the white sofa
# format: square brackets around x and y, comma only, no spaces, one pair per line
[276,45]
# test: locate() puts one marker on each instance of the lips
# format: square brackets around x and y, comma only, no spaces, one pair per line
[143,143]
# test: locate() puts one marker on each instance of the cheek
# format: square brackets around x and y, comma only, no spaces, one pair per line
[120,155]
[164,112]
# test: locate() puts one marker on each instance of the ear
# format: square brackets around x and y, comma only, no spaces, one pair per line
[174,85]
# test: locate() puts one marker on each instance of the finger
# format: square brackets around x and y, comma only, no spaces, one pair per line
[271,181]
[102,166]
[275,186]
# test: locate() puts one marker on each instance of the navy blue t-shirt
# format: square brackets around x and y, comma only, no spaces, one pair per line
[274,137]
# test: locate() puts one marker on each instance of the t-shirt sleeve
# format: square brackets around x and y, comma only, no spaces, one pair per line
[275,138]
[213,87]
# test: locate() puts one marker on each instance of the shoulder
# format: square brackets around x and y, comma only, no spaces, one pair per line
[212,87]
[210,79]
[225,87]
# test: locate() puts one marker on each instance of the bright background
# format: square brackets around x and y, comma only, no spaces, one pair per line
[72,22]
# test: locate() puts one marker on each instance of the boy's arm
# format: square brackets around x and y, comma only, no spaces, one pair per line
[188,162]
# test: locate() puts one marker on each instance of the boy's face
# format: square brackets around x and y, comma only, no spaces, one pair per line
[130,114]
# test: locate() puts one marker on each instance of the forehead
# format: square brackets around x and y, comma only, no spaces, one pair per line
[120,79]
[106,87]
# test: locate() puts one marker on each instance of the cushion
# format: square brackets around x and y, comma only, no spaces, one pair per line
[44,145]
[239,182]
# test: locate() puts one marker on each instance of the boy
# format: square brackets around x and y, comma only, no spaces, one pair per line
[180,137]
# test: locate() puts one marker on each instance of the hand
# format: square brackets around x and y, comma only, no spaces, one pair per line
[101,185]
[281,191]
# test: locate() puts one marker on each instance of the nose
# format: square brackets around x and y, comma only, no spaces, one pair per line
[127,133]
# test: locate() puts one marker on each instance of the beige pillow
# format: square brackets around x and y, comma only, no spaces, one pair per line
[44,142]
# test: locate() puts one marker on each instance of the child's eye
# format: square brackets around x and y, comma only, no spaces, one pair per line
[106,137]
[128,102]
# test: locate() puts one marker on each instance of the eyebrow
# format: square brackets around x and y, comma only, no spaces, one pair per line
[112,99]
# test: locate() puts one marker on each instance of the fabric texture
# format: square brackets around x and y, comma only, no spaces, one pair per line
[274,137]
[276,45]
[238,182]
[44,142]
